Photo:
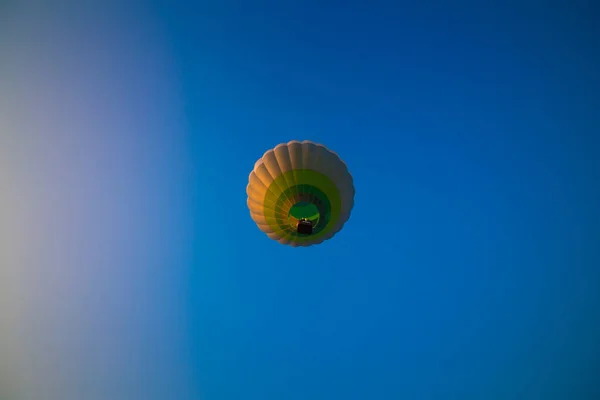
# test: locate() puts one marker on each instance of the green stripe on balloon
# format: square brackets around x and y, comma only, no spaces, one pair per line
[321,187]
[320,201]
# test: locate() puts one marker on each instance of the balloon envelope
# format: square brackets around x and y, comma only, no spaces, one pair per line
[300,181]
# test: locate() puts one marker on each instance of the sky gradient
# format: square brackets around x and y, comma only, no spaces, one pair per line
[131,269]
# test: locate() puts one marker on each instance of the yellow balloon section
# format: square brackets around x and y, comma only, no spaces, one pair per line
[300,180]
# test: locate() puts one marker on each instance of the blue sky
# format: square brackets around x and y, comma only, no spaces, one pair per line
[469,267]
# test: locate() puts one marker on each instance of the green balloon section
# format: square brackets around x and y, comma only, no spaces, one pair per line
[305,210]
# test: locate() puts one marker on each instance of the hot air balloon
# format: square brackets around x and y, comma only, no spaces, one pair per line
[300,193]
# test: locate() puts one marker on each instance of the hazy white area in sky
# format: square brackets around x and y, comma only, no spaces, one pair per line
[90,129]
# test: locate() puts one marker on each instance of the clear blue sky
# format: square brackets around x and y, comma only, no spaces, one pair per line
[469,268]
